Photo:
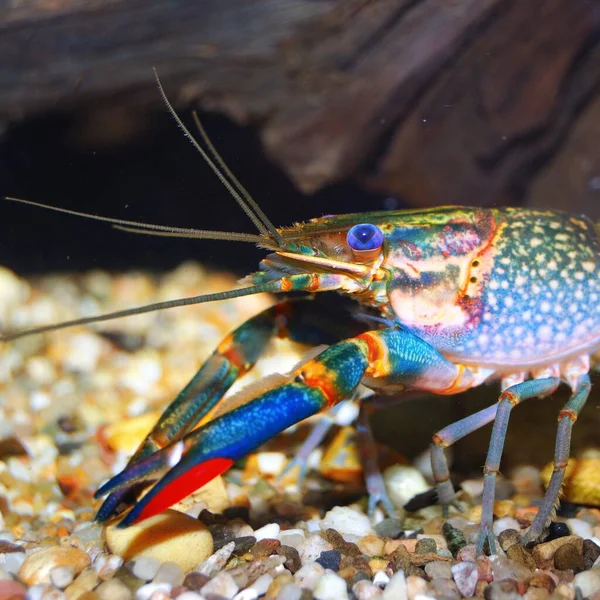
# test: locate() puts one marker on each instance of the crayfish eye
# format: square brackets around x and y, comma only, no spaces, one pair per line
[365,240]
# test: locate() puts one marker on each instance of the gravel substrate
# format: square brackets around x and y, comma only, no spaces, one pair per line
[74,404]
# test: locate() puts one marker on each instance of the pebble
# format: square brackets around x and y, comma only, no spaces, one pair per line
[152,591]
[217,561]
[425,546]
[403,483]
[438,569]
[331,587]
[543,553]
[503,568]
[505,523]
[61,576]
[381,579]
[389,528]
[569,556]
[243,544]
[261,585]
[290,591]
[264,548]
[371,545]
[346,520]
[588,582]
[292,558]
[591,552]
[145,567]
[113,589]
[222,584]
[162,537]
[329,559]
[169,572]
[519,555]
[292,537]
[557,529]
[270,531]
[312,547]
[465,576]
[36,568]
[580,527]
[454,537]
[309,575]
[396,589]
[366,590]
[444,588]
[415,587]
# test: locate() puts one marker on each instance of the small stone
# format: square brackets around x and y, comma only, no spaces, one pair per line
[467,553]
[403,483]
[61,576]
[292,558]
[270,531]
[113,589]
[389,528]
[281,580]
[438,569]
[505,589]
[557,529]
[221,535]
[261,585]
[420,560]
[505,523]
[309,575]
[425,546]
[153,591]
[504,568]
[588,582]
[521,556]
[162,537]
[169,572]
[580,527]
[400,559]
[331,587]
[508,538]
[292,537]
[454,537]
[415,587]
[195,581]
[222,584]
[396,589]
[330,559]
[145,567]
[591,552]
[36,568]
[290,591]
[366,590]
[339,543]
[243,544]
[542,579]
[444,588]
[444,553]
[543,553]
[311,548]
[216,561]
[346,520]
[264,548]
[569,556]
[465,576]
[371,545]
[378,564]
[7,547]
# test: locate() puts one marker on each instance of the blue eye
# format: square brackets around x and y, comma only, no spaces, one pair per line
[364,237]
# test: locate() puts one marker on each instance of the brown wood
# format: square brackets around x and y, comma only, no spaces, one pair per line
[438,101]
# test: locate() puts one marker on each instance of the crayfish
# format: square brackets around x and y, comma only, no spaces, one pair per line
[455,297]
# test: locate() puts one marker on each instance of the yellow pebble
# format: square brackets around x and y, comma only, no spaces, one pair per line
[127,434]
[582,480]
[504,508]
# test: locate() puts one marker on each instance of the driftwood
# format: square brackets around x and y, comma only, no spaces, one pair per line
[437,101]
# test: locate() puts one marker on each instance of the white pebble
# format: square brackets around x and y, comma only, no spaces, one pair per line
[145,567]
[588,582]
[146,591]
[365,590]
[292,537]
[113,589]
[261,585]
[222,584]
[247,594]
[169,572]
[345,520]
[271,463]
[270,531]
[331,587]
[381,578]
[311,548]
[580,527]
[313,525]
[189,596]
[13,562]
[61,576]
[396,589]
[309,575]
[465,576]
[505,523]
[403,483]
[217,561]
[415,587]
[289,591]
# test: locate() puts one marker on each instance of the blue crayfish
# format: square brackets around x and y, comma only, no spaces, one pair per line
[461,296]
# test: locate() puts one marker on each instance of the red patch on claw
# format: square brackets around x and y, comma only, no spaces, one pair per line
[187,483]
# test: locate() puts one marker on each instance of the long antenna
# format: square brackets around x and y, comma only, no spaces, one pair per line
[235,181]
[137,227]
[257,222]
[269,287]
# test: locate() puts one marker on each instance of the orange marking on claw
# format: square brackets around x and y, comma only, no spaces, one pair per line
[187,483]
[286,284]
[379,364]
[317,375]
